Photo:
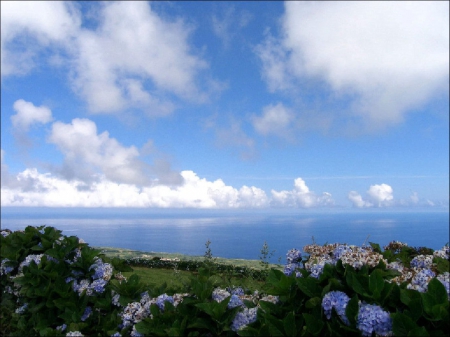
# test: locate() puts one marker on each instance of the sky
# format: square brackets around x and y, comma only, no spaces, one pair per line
[225,105]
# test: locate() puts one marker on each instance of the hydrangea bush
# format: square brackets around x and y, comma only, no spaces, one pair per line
[54,285]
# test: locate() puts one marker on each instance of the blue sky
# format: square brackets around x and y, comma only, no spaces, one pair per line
[308,105]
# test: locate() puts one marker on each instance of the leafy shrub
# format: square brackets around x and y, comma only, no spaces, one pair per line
[57,285]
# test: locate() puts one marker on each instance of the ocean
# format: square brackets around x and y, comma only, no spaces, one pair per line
[234,234]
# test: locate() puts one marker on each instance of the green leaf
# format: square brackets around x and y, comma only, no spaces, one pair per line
[352,309]
[289,324]
[376,247]
[309,286]
[358,283]
[313,324]
[435,295]
[402,324]
[313,302]
[376,283]
[419,332]
[442,265]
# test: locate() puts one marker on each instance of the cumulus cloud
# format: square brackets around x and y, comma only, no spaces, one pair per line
[194,192]
[377,196]
[275,119]
[128,57]
[36,24]
[29,114]
[300,197]
[88,153]
[386,58]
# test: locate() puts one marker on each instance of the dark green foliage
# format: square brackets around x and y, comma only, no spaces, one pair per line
[53,302]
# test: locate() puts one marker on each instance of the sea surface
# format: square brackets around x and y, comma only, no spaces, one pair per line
[236,235]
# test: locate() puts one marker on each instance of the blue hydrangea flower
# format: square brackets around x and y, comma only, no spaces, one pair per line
[237,291]
[422,261]
[61,327]
[98,285]
[5,269]
[420,281]
[235,301]
[373,318]
[341,250]
[244,318]
[317,269]
[294,256]
[337,300]
[22,309]
[290,268]
[86,314]
[102,270]
[161,299]
[28,259]
[219,295]
[445,280]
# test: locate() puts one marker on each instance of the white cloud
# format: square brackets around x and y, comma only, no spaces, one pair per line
[377,196]
[29,114]
[129,58]
[131,50]
[386,57]
[194,192]
[275,119]
[301,197]
[87,153]
[49,22]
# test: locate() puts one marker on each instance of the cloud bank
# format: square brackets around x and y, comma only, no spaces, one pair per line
[381,59]
[153,68]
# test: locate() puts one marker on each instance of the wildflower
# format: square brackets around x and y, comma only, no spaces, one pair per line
[5,269]
[373,318]
[337,300]
[445,280]
[443,253]
[161,299]
[290,268]
[102,270]
[98,286]
[422,261]
[5,233]
[340,250]
[22,309]
[420,281]
[243,318]
[219,295]
[28,259]
[235,301]
[74,334]
[61,327]
[237,291]
[294,256]
[86,314]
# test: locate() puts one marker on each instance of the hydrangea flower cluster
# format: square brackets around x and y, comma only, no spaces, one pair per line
[235,301]
[445,280]
[337,300]
[315,264]
[28,259]
[102,274]
[74,334]
[373,318]
[4,269]
[161,299]
[22,309]
[421,279]
[294,260]
[5,233]
[61,327]
[395,246]
[244,318]
[102,270]
[86,314]
[219,294]
[442,253]
[422,261]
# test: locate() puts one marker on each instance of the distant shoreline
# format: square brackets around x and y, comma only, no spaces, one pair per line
[124,253]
